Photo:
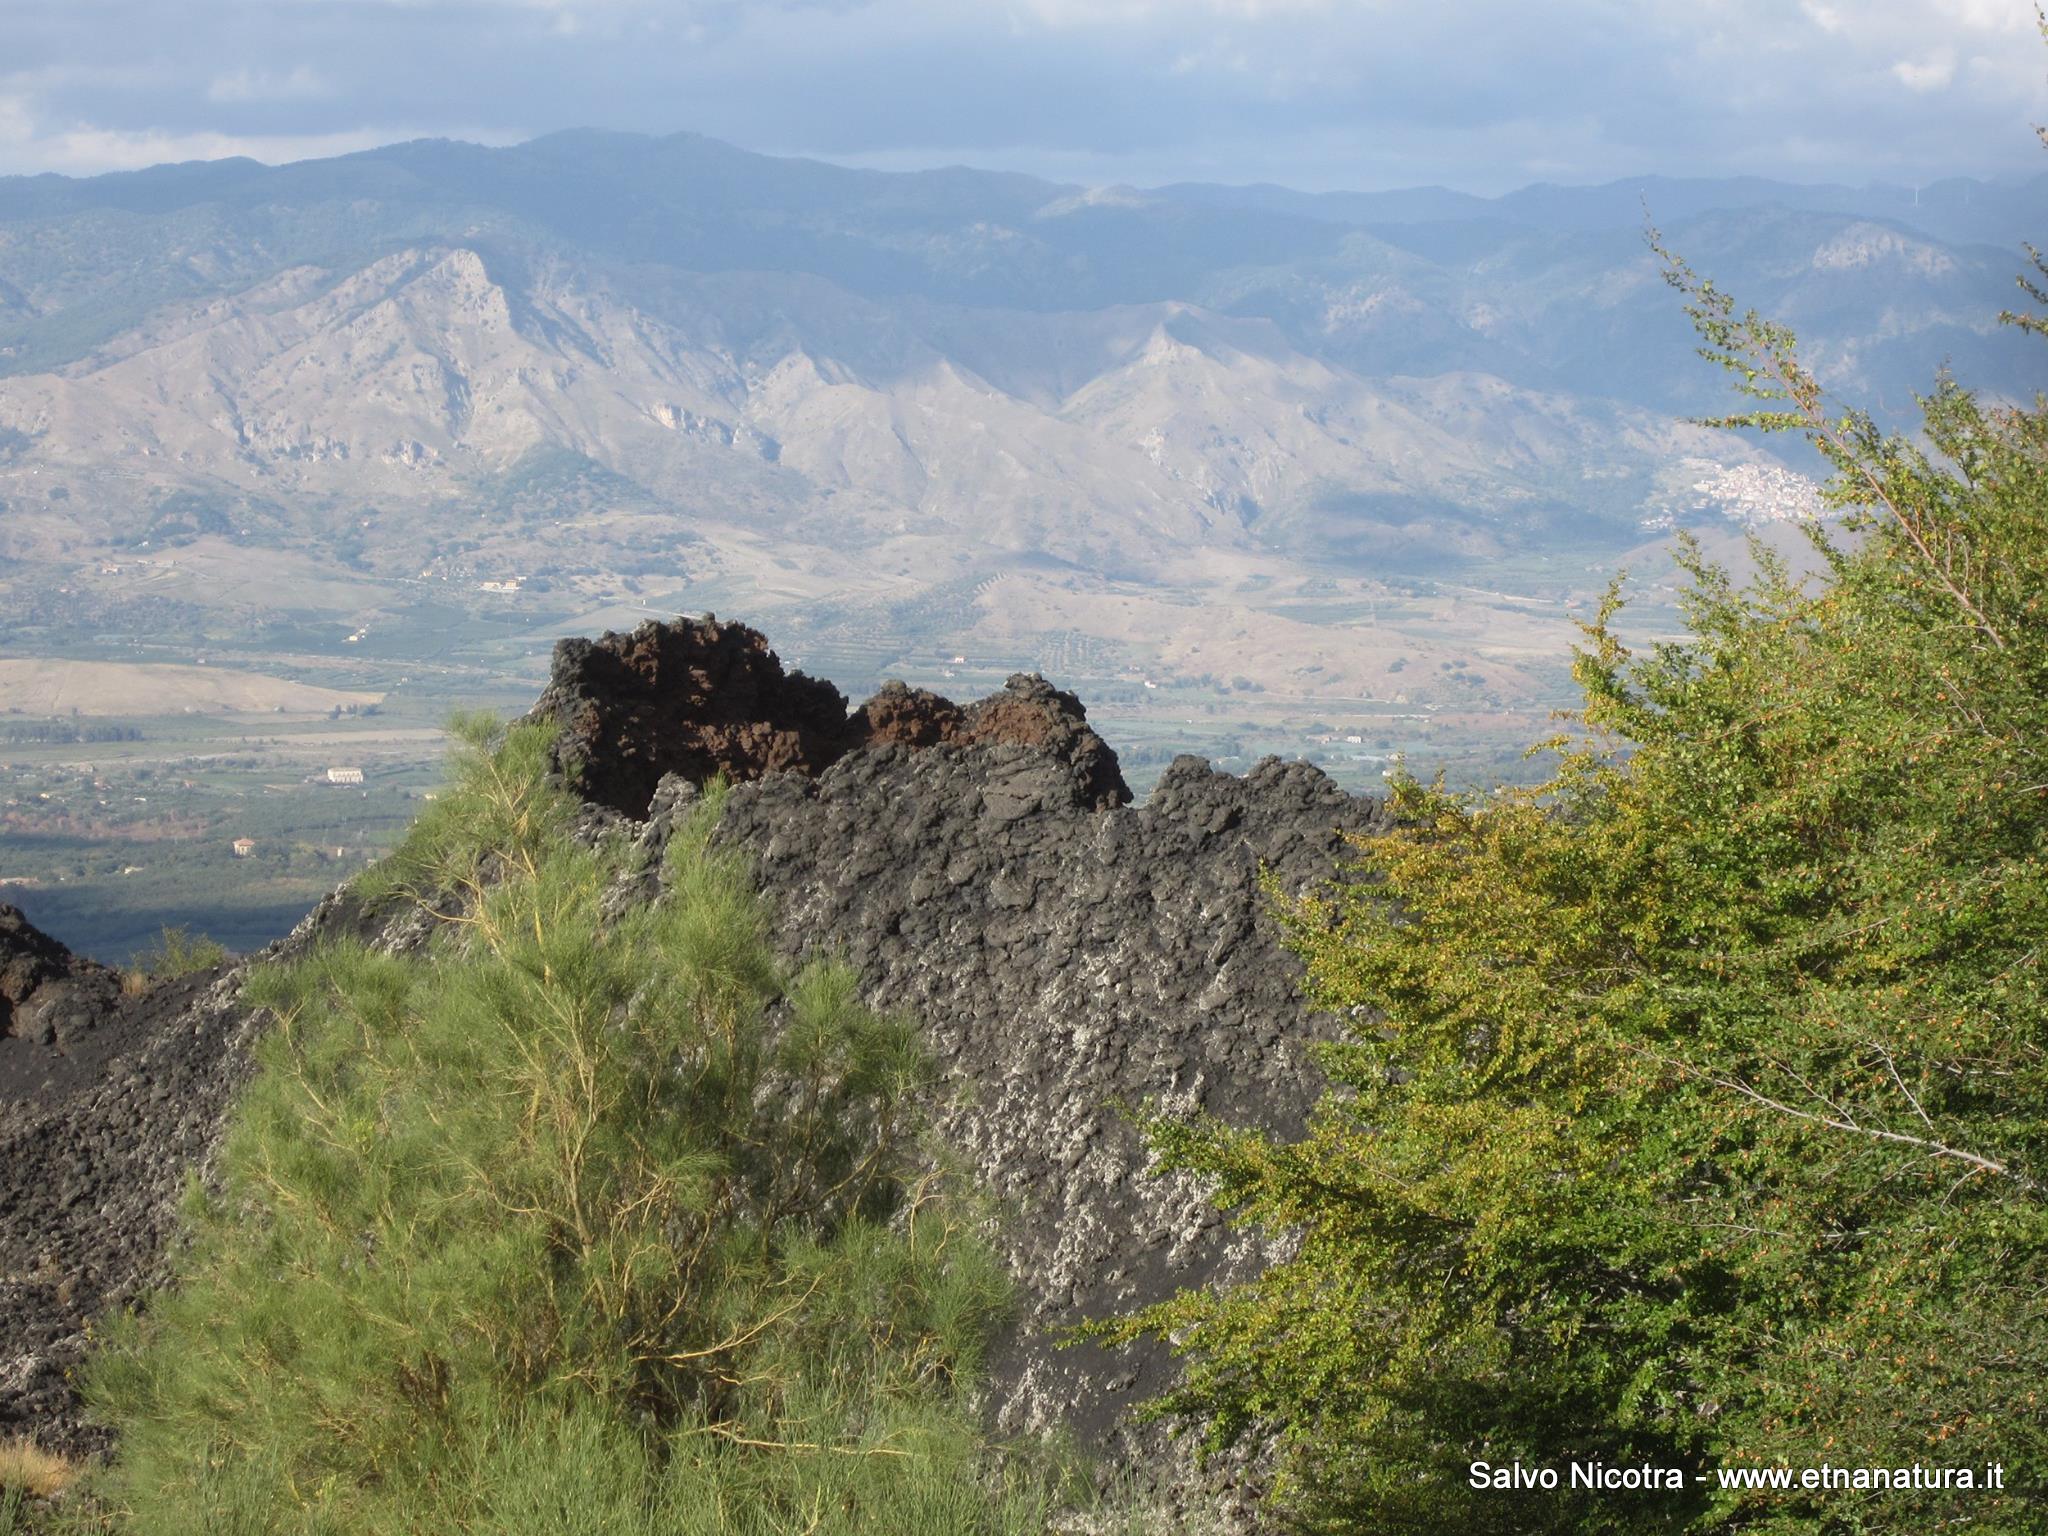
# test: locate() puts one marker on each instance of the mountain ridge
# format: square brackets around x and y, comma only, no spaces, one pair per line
[1619,199]
[1262,482]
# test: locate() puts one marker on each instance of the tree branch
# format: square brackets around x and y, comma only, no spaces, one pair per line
[1927,1144]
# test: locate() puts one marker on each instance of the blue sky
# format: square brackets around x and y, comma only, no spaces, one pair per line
[1480,94]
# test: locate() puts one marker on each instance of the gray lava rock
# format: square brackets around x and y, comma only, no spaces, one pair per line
[1068,966]
[98,1128]
[98,1133]
[1071,959]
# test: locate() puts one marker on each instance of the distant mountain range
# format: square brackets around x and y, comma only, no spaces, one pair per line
[1959,210]
[625,369]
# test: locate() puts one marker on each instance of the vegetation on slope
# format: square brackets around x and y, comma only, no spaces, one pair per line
[576,1221]
[1696,1110]
[178,952]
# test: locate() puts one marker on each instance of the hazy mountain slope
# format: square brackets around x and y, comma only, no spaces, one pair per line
[1955,209]
[82,260]
[880,363]
[1265,471]
[1138,433]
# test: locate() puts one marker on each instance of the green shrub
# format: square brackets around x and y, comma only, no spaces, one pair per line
[178,952]
[499,812]
[1696,1109]
[569,1224]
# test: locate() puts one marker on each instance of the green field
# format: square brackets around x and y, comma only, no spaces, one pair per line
[106,843]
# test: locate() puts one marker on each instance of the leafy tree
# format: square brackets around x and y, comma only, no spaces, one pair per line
[1694,1108]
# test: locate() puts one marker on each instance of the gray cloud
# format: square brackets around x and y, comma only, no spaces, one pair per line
[1483,94]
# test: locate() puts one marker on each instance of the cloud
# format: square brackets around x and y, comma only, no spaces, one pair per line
[1320,93]
[1934,73]
[1098,14]
[1995,17]
[299,84]
[28,146]
[88,150]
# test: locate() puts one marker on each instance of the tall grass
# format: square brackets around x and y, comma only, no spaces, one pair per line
[29,1471]
[567,1225]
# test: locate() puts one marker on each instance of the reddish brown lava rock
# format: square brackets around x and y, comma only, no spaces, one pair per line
[692,697]
[698,697]
[903,716]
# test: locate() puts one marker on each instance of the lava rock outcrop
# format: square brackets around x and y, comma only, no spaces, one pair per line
[690,697]
[48,995]
[1071,966]
[1073,959]
[107,1100]
[699,697]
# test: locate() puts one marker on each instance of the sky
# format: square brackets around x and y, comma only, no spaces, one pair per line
[1483,95]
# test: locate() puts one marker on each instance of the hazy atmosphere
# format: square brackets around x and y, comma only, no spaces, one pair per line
[1482,95]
